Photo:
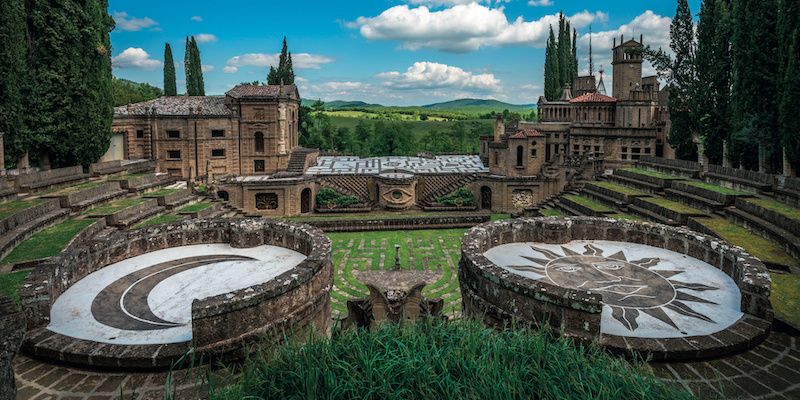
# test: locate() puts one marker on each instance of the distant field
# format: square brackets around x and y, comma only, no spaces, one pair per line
[418,127]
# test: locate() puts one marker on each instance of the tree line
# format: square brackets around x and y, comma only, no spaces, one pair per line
[56,99]
[734,81]
[560,59]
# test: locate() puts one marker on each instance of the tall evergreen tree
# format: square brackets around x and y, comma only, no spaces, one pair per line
[561,61]
[551,75]
[170,87]
[285,72]
[194,69]
[12,70]
[788,123]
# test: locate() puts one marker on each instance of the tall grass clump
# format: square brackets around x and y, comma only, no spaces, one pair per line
[432,360]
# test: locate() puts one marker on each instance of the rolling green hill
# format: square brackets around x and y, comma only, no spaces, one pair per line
[462,103]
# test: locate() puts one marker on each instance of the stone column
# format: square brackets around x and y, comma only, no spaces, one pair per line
[2,156]
[726,159]
[23,165]
[788,170]
[702,158]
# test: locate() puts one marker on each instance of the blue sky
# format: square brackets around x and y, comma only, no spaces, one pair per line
[412,52]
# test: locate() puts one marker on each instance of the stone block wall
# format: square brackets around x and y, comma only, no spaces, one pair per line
[128,212]
[12,331]
[49,175]
[722,198]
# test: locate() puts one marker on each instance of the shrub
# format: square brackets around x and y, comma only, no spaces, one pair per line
[328,196]
[461,197]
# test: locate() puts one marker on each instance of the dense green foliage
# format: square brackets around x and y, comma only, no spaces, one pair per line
[284,74]
[561,61]
[170,86]
[789,78]
[328,196]
[126,91]
[61,78]
[459,360]
[194,69]
[461,197]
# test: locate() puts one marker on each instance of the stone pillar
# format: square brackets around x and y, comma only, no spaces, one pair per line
[788,170]
[23,165]
[12,331]
[702,158]
[2,156]
[726,159]
[762,157]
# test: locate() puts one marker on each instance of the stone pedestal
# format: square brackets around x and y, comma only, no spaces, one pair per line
[788,170]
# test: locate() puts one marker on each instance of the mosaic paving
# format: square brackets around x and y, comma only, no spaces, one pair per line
[647,292]
[147,299]
[377,165]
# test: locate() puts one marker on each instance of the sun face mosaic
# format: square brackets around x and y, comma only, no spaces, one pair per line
[647,291]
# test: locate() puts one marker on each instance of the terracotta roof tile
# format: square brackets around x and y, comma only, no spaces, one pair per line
[532,133]
[258,91]
[518,135]
[593,98]
[178,105]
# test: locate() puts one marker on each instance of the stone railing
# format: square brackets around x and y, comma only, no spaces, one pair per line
[223,326]
[492,293]
[383,224]
[41,180]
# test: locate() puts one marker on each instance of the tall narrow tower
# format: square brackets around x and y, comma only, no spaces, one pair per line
[627,68]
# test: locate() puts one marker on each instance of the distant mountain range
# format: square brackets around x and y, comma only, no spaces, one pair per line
[448,105]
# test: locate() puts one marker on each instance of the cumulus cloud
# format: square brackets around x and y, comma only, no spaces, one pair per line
[540,3]
[450,3]
[197,18]
[230,70]
[300,79]
[462,28]
[429,75]
[204,38]
[299,61]
[135,57]
[207,68]
[126,22]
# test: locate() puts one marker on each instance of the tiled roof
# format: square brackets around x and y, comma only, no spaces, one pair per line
[526,134]
[593,98]
[178,105]
[258,91]
[518,135]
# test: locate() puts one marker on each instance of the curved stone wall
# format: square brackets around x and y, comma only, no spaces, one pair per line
[499,296]
[222,326]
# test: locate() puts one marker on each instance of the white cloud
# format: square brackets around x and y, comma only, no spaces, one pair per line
[197,18]
[450,3]
[429,75]
[135,57]
[204,38]
[300,79]
[462,28]
[127,23]
[299,60]
[540,3]
[230,70]
[207,68]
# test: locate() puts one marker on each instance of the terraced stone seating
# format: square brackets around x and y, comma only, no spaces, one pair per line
[17,228]
[611,194]
[107,169]
[698,195]
[587,208]
[789,193]
[7,192]
[42,181]
[211,211]
[682,168]
[134,214]
[671,213]
[146,184]
[770,224]
[656,182]
[85,199]
[136,167]
[747,181]
[175,200]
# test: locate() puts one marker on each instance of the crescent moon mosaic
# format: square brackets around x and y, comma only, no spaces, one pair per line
[647,291]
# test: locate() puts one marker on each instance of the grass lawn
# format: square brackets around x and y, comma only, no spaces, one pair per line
[789,211]
[114,207]
[9,284]
[785,297]
[673,205]
[48,242]
[651,173]
[195,207]
[162,192]
[72,189]
[625,216]
[595,206]
[494,217]
[618,188]
[126,177]
[752,243]
[13,207]
[552,213]
[160,220]
[714,188]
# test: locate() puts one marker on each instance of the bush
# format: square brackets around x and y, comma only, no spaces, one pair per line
[461,197]
[328,196]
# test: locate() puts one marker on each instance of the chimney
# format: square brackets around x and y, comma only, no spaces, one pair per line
[615,42]
[641,38]
[499,126]
[621,39]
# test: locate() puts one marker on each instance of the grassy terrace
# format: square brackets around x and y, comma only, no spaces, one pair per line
[752,243]
[72,189]
[552,213]
[162,192]
[48,242]
[785,296]
[159,220]
[788,211]
[114,207]
[13,207]
[714,188]
[672,205]
[618,188]
[195,207]
[10,283]
[651,173]
[595,206]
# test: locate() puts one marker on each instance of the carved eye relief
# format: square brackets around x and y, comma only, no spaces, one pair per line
[567,268]
[608,265]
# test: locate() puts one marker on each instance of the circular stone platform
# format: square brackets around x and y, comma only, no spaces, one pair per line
[664,292]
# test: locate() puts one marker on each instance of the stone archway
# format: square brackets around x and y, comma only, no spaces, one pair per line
[223,195]
[486,198]
[305,201]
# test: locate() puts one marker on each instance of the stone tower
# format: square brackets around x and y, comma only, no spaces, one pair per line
[627,69]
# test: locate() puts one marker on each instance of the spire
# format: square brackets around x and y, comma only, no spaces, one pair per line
[601,87]
[591,63]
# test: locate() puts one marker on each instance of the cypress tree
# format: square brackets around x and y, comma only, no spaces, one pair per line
[789,124]
[194,69]
[188,59]
[170,87]
[12,70]
[551,73]
[289,76]
[681,34]
[272,77]
[198,66]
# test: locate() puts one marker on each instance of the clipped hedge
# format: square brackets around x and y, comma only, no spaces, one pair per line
[328,196]
[464,194]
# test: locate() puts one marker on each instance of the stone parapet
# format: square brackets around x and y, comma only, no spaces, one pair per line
[382,224]
[12,331]
[37,182]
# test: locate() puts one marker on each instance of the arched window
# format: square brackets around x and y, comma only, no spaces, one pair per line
[520,152]
[259,142]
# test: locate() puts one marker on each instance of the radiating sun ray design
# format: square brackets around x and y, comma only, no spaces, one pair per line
[628,287]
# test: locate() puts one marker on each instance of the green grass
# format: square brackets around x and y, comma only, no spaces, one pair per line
[48,242]
[625,216]
[618,188]
[9,284]
[126,177]
[752,243]
[651,173]
[196,207]
[714,188]
[496,217]
[789,211]
[162,192]
[13,207]
[785,297]
[593,205]
[159,220]
[552,213]
[114,207]
[672,205]
[459,360]
[72,189]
